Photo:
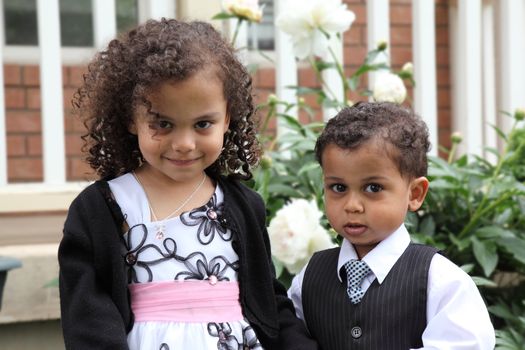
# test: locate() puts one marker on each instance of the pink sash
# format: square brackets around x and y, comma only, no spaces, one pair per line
[188,301]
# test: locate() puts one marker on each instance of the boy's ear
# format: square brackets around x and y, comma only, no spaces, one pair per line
[418,191]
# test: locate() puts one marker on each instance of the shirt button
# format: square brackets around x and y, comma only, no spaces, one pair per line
[131,259]
[356,332]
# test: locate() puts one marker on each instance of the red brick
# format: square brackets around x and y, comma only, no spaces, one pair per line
[400,14]
[360,13]
[354,55]
[444,121]
[33,98]
[24,169]
[441,15]
[15,97]
[79,170]
[443,98]
[68,93]
[442,36]
[12,74]
[443,77]
[307,78]
[76,74]
[401,55]
[16,145]
[442,55]
[354,36]
[266,78]
[74,145]
[34,145]
[73,124]
[31,75]
[401,35]
[23,121]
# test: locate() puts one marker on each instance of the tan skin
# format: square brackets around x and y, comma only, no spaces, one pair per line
[182,139]
[366,196]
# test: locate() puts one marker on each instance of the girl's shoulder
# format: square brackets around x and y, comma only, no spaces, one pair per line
[236,188]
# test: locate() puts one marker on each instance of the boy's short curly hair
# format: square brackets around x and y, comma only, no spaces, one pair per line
[120,77]
[404,134]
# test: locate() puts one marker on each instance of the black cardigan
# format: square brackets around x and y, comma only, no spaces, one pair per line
[94,297]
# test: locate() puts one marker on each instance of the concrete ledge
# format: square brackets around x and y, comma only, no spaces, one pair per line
[26,297]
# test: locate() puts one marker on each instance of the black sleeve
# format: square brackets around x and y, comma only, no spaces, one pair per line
[90,318]
[293,334]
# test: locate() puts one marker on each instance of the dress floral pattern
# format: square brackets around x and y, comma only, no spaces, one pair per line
[195,246]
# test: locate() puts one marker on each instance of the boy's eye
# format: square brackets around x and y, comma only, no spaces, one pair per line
[338,188]
[373,188]
[203,124]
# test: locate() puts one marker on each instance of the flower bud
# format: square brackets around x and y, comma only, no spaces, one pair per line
[456,137]
[519,114]
[408,68]
[382,45]
[266,162]
[272,99]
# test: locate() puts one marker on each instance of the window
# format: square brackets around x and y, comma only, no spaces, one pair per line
[76,21]
[261,35]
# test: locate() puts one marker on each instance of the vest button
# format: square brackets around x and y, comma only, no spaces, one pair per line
[356,332]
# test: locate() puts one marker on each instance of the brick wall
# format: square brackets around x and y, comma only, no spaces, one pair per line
[22,94]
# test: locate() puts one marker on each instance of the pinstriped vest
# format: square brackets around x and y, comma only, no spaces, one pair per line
[390,316]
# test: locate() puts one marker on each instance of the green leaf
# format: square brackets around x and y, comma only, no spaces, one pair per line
[428,226]
[461,244]
[486,254]
[515,246]
[493,232]
[322,65]
[483,282]
[223,15]
[467,267]
[309,166]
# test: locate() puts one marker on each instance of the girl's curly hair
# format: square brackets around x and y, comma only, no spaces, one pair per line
[404,134]
[120,77]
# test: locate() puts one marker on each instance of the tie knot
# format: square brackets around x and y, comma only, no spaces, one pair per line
[356,271]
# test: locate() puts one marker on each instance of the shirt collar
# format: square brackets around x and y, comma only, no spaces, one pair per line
[382,258]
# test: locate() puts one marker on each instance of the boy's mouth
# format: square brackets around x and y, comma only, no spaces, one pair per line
[353,229]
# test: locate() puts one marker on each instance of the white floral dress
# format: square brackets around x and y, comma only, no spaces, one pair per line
[182,275]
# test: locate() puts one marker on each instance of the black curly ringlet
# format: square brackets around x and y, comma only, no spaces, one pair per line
[120,77]
[403,133]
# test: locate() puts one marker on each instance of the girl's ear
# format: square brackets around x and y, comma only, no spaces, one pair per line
[418,191]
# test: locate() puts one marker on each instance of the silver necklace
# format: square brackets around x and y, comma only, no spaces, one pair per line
[160,227]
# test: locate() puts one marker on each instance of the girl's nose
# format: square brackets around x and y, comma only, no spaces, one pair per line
[183,142]
[353,204]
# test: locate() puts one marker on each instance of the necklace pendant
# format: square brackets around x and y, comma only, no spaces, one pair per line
[160,231]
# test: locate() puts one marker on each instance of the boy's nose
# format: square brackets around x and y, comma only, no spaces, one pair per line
[353,204]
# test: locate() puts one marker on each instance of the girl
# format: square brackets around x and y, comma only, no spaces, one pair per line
[169,250]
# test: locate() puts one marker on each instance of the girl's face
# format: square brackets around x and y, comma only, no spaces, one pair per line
[366,197]
[184,133]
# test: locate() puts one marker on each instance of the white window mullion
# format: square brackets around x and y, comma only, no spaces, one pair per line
[285,67]
[104,22]
[489,82]
[424,49]
[512,57]
[378,27]
[156,9]
[469,82]
[52,113]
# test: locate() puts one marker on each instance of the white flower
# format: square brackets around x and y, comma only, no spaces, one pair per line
[408,68]
[389,87]
[295,234]
[310,22]
[247,9]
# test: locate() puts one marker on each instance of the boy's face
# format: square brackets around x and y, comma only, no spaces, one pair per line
[366,197]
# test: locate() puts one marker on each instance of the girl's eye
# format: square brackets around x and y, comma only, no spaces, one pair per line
[337,188]
[160,125]
[203,124]
[374,188]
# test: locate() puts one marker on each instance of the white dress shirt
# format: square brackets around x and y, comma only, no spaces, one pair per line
[457,317]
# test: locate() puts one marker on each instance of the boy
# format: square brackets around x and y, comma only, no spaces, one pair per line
[400,295]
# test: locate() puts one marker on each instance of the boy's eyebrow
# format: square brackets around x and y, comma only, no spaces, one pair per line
[366,179]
